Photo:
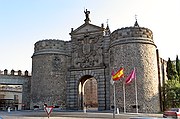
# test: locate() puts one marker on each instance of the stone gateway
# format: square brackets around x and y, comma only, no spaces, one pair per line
[76,74]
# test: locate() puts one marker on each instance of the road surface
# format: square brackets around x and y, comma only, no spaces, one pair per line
[31,114]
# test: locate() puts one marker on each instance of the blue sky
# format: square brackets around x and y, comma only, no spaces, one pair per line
[24,22]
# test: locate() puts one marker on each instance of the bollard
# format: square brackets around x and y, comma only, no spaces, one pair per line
[117,110]
[9,109]
[84,109]
[114,110]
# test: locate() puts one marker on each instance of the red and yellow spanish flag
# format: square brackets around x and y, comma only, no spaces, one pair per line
[119,74]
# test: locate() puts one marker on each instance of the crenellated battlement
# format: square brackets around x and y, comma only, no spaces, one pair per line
[132,35]
[132,32]
[14,73]
[49,44]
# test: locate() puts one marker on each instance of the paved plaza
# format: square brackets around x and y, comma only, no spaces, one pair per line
[31,114]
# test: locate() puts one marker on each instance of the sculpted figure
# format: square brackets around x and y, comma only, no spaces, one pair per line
[87,16]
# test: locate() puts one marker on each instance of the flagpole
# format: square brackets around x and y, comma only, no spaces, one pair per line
[124,94]
[114,111]
[116,77]
[136,94]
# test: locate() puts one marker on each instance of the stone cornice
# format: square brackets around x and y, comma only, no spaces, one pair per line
[87,68]
[132,40]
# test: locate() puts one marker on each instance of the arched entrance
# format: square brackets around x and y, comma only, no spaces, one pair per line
[87,90]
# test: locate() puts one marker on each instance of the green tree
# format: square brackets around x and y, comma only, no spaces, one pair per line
[172,85]
[178,67]
[172,95]
[171,70]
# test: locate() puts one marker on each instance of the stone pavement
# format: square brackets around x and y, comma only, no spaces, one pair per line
[71,115]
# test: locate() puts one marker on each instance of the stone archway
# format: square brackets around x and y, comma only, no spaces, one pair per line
[87,90]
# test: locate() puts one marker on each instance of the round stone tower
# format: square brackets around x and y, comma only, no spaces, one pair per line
[49,63]
[133,47]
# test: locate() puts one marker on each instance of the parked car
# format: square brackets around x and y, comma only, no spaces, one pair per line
[172,113]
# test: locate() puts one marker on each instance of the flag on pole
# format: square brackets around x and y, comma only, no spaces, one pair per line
[119,74]
[131,76]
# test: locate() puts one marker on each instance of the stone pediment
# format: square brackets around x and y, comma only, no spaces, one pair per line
[87,28]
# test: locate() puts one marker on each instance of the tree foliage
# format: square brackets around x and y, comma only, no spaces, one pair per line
[171,70]
[178,67]
[172,94]
[172,85]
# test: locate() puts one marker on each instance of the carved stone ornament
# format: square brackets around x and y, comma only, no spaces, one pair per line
[56,63]
[88,51]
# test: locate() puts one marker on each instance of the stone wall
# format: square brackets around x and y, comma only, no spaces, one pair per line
[59,67]
[24,80]
[49,69]
[133,47]
[72,88]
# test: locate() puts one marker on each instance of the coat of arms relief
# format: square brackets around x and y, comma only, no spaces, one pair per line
[87,51]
